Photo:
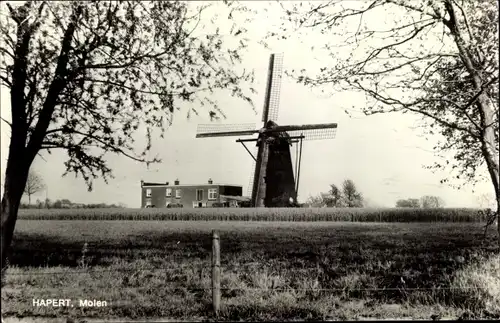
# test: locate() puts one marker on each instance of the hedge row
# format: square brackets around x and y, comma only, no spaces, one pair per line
[261,214]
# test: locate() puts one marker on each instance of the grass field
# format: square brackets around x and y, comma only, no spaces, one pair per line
[270,270]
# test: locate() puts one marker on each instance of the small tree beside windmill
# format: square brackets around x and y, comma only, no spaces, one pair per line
[275,182]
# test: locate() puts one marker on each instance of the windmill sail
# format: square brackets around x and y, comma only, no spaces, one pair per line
[314,134]
[273,88]
[290,128]
[224,130]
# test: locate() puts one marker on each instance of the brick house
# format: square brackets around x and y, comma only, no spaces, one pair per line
[189,196]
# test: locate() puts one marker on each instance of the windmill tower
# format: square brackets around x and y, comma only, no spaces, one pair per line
[274,182]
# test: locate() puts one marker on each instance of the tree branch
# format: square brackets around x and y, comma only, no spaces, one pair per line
[469,31]
[57,85]
[105,146]
[407,5]
[334,19]
[409,106]
[7,122]
[476,96]
[377,51]
[5,51]
[6,81]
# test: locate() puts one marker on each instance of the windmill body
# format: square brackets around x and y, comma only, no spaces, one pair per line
[275,182]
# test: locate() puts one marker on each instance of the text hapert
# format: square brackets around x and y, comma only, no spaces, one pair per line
[51,302]
[92,303]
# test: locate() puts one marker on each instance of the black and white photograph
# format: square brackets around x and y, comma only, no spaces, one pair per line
[189,161]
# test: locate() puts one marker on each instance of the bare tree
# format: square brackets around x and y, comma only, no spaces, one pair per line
[34,184]
[86,77]
[437,59]
[485,200]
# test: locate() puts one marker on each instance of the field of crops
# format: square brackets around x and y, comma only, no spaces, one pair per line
[270,270]
[260,214]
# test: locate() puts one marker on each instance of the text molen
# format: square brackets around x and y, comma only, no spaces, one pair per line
[92,303]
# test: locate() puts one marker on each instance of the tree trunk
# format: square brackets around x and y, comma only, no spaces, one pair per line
[498,218]
[489,152]
[486,111]
[15,180]
[493,168]
[489,149]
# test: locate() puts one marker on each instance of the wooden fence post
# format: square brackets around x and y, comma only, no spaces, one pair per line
[215,272]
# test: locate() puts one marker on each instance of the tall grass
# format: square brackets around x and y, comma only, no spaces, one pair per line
[261,214]
[478,285]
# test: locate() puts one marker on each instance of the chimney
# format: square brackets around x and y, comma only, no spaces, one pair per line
[142,183]
[176,182]
[210,181]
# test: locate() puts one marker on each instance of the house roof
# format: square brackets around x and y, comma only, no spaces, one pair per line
[152,184]
[186,185]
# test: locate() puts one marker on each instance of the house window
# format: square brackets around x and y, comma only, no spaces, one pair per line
[168,192]
[199,195]
[212,194]
[178,194]
[148,203]
[148,192]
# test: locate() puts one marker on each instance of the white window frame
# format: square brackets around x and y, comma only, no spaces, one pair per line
[168,192]
[148,192]
[197,190]
[212,194]
[178,193]
[148,202]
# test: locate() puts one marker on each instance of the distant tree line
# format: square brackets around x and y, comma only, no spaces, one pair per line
[426,202]
[346,196]
[35,184]
[67,204]
[349,196]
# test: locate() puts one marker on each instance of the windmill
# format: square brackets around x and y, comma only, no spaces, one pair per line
[275,182]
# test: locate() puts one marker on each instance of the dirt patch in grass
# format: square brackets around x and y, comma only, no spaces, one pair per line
[270,270]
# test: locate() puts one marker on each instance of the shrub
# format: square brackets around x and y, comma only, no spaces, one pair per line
[478,285]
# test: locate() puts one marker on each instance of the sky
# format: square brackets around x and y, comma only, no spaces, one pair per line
[383,154]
